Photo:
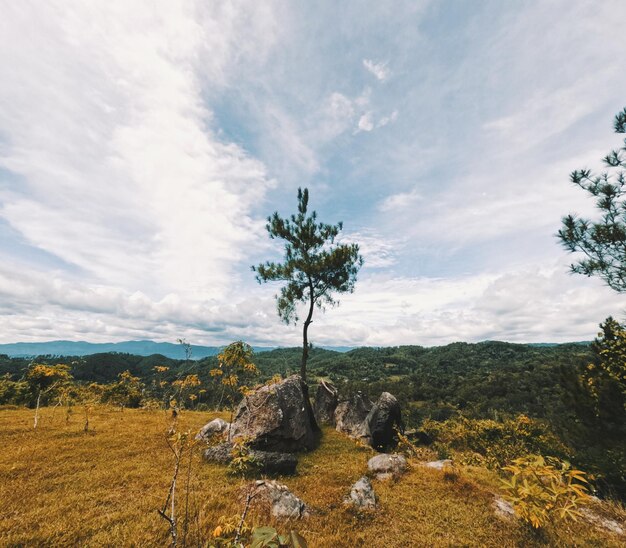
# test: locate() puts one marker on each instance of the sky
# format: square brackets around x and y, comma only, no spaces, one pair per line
[143,144]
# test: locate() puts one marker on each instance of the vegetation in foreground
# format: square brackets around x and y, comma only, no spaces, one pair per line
[62,485]
[492,401]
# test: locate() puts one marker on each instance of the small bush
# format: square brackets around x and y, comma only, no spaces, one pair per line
[545,489]
[494,442]
[242,463]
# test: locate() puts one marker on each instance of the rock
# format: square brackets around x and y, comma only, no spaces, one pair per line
[382,420]
[607,524]
[362,494]
[350,417]
[265,462]
[221,453]
[277,417]
[215,428]
[387,465]
[373,424]
[325,403]
[282,503]
[274,463]
[503,508]
[439,464]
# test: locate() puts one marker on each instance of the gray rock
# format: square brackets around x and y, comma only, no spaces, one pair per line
[350,417]
[382,420]
[220,454]
[325,403]
[277,417]
[387,465]
[503,508]
[215,428]
[601,522]
[439,464]
[362,494]
[373,424]
[282,503]
[265,462]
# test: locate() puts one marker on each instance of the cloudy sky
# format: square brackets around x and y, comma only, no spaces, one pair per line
[142,145]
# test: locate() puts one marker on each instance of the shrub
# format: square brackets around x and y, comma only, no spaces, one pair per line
[242,463]
[545,489]
[494,442]
[126,392]
[13,392]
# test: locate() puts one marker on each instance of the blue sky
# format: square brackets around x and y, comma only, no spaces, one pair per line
[143,144]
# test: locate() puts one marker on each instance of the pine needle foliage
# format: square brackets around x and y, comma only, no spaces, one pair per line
[314,267]
[602,242]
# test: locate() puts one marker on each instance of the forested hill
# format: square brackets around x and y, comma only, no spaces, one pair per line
[457,382]
[476,378]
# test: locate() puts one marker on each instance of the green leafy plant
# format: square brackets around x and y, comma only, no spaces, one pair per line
[543,490]
[242,463]
[496,442]
[236,369]
[271,538]
[231,532]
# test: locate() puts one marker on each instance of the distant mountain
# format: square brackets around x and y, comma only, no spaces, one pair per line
[138,348]
[82,348]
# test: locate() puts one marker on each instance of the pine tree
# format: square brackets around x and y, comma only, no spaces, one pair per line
[602,242]
[314,266]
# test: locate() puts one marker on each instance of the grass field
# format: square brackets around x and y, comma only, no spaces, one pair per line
[62,486]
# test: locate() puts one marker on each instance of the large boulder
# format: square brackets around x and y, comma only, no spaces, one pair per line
[325,403]
[382,421]
[373,424]
[362,494]
[350,417]
[277,417]
[265,462]
[281,502]
[385,466]
[213,429]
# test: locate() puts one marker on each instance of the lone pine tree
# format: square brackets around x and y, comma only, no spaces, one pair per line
[314,266]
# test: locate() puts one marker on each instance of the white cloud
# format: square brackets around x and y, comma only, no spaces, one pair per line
[365,123]
[401,200]
[142,140]
[376,250]
[126,179]
[379,70]
[388,119]
[535,304]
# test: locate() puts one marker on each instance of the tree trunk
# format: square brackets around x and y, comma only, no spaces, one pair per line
[37,410]
[305,338]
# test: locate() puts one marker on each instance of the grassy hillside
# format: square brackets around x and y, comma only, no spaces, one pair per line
[61,486]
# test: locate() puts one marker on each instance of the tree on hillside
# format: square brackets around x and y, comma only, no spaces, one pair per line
[236,368]
[314,266]
[43,379]
[609,366]
[602,242]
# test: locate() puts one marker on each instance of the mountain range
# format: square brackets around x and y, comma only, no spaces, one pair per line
[138,348]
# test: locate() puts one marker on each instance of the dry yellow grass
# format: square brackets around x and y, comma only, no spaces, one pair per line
[61,486]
